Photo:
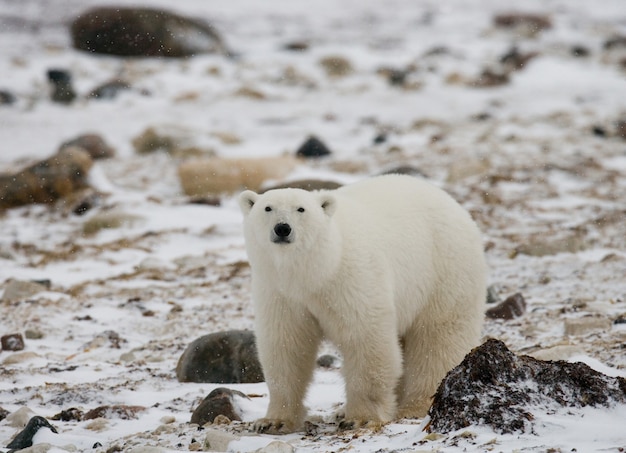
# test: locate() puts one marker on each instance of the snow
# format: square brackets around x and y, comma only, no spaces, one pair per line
[541,175]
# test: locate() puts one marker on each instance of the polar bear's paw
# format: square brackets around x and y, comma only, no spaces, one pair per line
[348,424]
[274,426]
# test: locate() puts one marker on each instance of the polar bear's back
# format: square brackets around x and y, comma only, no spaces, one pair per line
[423,237]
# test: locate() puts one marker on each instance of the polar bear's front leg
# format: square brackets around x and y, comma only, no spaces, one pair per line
[287,343]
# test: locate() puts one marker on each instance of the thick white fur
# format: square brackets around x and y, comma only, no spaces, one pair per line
[390,269]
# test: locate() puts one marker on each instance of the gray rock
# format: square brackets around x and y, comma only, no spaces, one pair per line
[277,446]
[20,289]
[221,357]
[512,307]
[143,32]
[219,402]
[586,325]
[313,147]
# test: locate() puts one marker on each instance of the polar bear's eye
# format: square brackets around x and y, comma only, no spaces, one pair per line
[268,208]
[300,209]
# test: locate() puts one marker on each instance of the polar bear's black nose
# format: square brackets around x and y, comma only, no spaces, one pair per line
[282,230]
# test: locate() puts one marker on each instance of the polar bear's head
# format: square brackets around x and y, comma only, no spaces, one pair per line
[284,217]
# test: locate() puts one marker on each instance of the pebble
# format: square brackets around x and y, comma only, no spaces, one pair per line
[217,440]
[313,147]
[512,307]
[277,446]
[20,357]
[20,417]
[220,402]
[94,144]
[62,89]
[336,66]
[118,411]
[328,361]
[12,342]
[24,438]
[586,325]
[17,290]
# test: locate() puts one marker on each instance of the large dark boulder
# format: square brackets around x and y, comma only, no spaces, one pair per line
[142,32]
[223,358]
[494,387]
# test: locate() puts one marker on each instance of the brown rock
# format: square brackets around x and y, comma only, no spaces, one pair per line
[512,307]
[524,23]
[94,144]
[47,181]
[16,290]
[215,176]
[494,387]
[336,66]
[122,412]
[12,342]
[218,403]
[143,32]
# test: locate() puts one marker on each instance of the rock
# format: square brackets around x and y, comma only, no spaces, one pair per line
[467,167]
[558,352]
[164,138]
[405,170]
[20,417]
[47,181]
[221,357]
[214,176]
[12,342]
[514,60]
[7,98]
[297,46]
[306,184]
[586,325]
[24,438]
[494,387]
[120,411]
[216,440]
[511,307]
[68,415]
[86,203]
[61,83]
[525,24]
[219,402]
[336,66]
[276,446]
[490,78]
[109,220]
[313,147]
[94,144]
[143,32]
[17,290]
[20,357]
[109,90]
[492,294]
[3,413]
[540,247]
[33,334]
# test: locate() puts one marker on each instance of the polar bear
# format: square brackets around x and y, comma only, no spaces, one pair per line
[390,269]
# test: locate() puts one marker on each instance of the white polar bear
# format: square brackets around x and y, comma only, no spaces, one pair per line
[390,269]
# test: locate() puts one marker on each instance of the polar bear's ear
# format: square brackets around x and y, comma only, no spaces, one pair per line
[247,199]
[328,204]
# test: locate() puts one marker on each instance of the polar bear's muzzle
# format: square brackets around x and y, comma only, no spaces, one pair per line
[282,233]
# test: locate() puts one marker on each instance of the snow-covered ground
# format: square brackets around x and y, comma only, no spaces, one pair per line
[548,193]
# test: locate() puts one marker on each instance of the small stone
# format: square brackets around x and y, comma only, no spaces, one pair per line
[512,307]
[94,144]
[527,24]
[540,247]
[336,66]
[306,184]
[297,46]
[20,357]
[276,446]
[586,325]
[12,342]
[167,420]
[20,417]
[217,440]
[220,402]
[33,334]
[221,357]
[68,415]
[108,220]
[405,170]
[17,290]
[313,147]
[7,98]
[559,352]
[492,294]
[120,411]
[61,82]
[490,78]
[109,90]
